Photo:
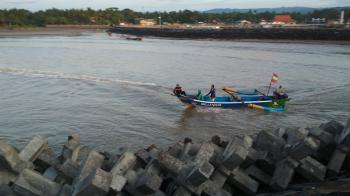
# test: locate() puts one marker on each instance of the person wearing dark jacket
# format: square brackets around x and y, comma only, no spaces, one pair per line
[212,93]
[178,90]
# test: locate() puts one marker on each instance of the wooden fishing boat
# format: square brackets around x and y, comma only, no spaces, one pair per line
[267,103]
[134,38]
[237,99]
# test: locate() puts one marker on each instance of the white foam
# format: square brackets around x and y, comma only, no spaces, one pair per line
[58,75]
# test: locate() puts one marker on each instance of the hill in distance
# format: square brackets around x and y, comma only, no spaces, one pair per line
[302,10]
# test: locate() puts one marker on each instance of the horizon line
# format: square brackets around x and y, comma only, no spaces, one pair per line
[199,10]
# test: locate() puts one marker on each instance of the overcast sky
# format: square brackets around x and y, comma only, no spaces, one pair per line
[162,5]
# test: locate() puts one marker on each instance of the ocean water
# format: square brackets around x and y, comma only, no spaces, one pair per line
[117,93]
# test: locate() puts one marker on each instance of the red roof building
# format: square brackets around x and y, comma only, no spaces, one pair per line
[283,19]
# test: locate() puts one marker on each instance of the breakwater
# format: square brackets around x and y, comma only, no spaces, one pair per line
[286,161]
[271,33]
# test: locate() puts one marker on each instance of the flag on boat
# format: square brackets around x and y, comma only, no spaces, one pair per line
[274,78]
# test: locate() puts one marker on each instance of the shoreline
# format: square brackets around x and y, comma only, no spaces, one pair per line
[79,30]
[48,31]
[280,41]
[272,34]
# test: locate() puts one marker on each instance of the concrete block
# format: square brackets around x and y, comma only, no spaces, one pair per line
[143,156]
[153,151]
[131,176]
[70,150]
[258,175]
[205,153]
[200,174]
[311,169]
[118,182]
[265,162]
[6,176]
[194,149]
[92,162]
[181,191]
[33,149]
[248,141]
[283,174]
[51,173]
[327,144]
[344,137]
[153,167]
[66,190]
[159,193]
[333,127]
[266,141]
[217,155]
[23,165]
[46,159]
[186,148]
[148,184]
[96,184]
[324,136]
[69,169]
[337,159]
[31,183]
[223,170]
[83,154]
[304,148]
[110,161]
[232,143]
[218,178]
[232,159]
[212,189]
[295,135]
[243,182]
[6,190]
[252,156]
[8,157]
[74,136]
[216,140]
[280,132]
[175,149]
[170,163]
[126,161]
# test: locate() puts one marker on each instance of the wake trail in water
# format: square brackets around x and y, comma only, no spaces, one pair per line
[82,77]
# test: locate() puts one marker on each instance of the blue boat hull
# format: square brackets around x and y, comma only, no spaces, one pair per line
[228,102]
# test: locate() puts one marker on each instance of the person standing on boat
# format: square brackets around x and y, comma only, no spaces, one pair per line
[212,93]
[280,93]
[178,90]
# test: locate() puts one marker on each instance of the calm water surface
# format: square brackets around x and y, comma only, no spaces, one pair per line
[117,93]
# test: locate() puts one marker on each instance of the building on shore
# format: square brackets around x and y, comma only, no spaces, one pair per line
[147,22]
[318,20]
[244,24]
[283,20]
[347,24]
[265,24]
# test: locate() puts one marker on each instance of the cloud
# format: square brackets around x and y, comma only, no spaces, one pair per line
[20,2]
[169,5]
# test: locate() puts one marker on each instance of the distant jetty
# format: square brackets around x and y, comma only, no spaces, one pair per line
[235,33]
[285,161]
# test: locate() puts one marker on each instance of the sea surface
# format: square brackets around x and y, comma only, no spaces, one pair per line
[117,93]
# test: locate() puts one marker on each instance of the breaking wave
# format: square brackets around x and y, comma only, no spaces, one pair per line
[57,75]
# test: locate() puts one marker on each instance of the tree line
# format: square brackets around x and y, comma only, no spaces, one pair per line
[22,17]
